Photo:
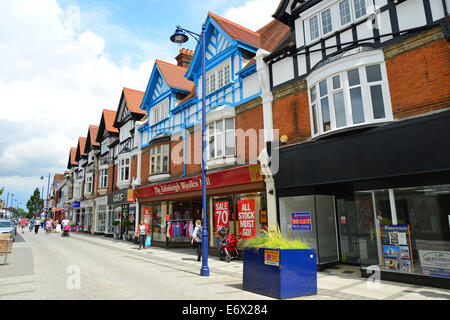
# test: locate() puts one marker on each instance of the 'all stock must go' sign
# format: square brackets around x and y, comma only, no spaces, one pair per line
[247,218]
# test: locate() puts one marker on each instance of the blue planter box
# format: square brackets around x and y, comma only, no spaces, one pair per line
[280,273]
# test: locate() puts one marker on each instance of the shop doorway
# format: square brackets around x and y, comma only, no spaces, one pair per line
[348,231]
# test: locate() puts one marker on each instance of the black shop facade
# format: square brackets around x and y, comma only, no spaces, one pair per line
[378,198]
[122,208]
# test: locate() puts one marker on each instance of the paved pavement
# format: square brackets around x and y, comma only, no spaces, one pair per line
[86,267]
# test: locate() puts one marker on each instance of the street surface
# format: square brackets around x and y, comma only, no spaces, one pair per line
[86,267]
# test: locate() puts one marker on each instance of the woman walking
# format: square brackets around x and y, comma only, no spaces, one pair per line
[37,224]
[197,239]
[142,232]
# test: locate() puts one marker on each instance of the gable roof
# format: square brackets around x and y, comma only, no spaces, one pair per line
[91,136]
[80,148]
[174,75]
[134,100]
[273,34]
[72,162]
[236,31]
[106,123]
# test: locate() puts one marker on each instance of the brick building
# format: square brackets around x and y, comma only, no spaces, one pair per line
[362,103]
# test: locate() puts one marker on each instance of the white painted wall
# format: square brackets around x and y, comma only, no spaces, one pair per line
[250,85]
[411,14]
[282,71]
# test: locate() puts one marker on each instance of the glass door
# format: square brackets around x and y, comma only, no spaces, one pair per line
[348,235]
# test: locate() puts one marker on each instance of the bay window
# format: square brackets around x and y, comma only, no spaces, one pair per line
[350,97]
[221,138]
[159,159]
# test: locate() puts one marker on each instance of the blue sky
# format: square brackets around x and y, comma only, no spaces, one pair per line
[63,61]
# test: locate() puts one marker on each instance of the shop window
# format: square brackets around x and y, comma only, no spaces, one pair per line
[353,97]
[101,218]
[405,230]
[159,159]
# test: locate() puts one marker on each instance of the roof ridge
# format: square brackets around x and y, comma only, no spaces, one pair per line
[126,88]
[171,64]
[233,23]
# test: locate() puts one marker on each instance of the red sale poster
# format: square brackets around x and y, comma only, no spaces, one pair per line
[221,211]
[247,219]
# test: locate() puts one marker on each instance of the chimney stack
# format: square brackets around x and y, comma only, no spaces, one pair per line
[184,58]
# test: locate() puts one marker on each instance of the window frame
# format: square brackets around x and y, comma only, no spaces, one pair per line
[345,87]
[124,170]
[223,142]
[103,178]
[154,155]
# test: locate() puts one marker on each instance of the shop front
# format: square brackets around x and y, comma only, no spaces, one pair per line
[100,214]
[86,216]
[378,198]
[123,211]
[235,197]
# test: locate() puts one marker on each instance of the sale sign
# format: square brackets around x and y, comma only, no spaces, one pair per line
[221,211]
[247,218]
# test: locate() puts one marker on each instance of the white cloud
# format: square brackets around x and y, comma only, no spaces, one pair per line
[253,14]
[54,82]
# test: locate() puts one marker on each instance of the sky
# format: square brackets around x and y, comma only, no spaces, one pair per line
[63,61]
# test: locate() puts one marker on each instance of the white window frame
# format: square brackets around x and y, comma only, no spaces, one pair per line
[222,134]
[157,156]
[103,179]
[124,170]
[341,68]
[218,78]
[88,184]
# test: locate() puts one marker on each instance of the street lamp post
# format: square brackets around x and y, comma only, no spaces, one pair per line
[46,200]
[180,37]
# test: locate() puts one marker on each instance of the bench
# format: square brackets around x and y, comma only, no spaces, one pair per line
[5,246]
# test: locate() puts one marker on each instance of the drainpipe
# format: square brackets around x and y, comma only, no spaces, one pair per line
[266,158]
[184,151]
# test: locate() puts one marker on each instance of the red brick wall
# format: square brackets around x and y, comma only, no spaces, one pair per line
[145,167]
[291,116]
[419,79]
[133,168]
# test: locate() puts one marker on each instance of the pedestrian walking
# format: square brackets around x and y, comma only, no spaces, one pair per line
[197,239]
[23,223]
[221,236]
[142,232]
[37,224]
[48,226]
[31,224]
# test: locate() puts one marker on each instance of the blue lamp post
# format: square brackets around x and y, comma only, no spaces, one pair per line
[181,37]
[46,200]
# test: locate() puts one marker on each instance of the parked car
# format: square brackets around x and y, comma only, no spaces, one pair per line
[6,226]
[14,223]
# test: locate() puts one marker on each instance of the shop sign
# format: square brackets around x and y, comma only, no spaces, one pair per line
[301,221]
[221,211]
[272,257]
[117,197]
[147,215]
[76,204]
[343,220]
[131,195]
[229,177]
[247,219]
[435,263]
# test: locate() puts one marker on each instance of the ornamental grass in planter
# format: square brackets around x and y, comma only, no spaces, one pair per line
[279,267]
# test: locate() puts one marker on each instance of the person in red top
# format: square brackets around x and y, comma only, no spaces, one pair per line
[142,232]
[23,223]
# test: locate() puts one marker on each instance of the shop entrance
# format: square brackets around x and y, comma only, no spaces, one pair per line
[347,230]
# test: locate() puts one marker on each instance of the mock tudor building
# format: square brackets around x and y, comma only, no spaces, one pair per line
[171,138]
[362,104]
[69,179]
[91,148]
[107,137]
